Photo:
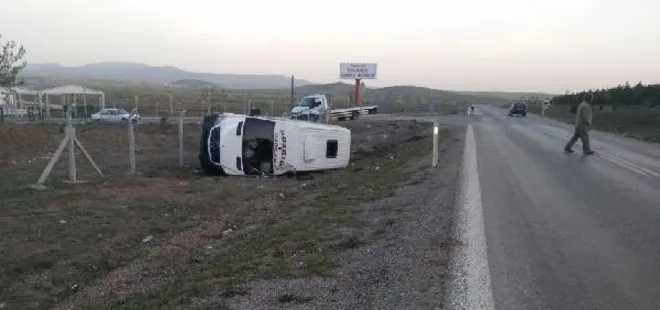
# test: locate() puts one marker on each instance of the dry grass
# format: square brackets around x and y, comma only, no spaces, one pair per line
[168,236]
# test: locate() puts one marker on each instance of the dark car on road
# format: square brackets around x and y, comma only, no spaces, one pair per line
[518,108]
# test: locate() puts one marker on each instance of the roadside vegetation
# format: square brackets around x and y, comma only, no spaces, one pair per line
[632,111]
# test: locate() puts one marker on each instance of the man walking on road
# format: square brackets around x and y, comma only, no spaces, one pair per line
[583,122]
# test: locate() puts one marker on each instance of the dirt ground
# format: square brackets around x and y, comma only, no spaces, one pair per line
[170,237]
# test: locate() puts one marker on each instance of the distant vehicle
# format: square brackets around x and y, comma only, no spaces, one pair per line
[518,108]
[235,144]
[316,107]
[114,116]
[255,111]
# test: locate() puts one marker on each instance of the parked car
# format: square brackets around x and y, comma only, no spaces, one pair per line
[234,144]
[518,108]
[112,115]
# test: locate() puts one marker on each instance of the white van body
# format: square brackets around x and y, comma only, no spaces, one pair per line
[237,144]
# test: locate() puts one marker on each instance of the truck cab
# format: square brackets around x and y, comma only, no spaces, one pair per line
[313,107]
[235,144]
[316,107]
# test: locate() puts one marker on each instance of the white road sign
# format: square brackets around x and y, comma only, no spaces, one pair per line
[357,70]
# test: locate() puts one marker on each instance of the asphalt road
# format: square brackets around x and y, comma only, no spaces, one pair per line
[560,231]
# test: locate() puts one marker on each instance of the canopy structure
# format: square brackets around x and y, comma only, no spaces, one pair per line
[5,97]
[71,90]
[74,90]
[21,91]
[25,91]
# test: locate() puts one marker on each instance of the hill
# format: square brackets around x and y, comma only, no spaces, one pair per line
[398,98]
[192,83]
[160,75]
[394,99]
[506,95]
[331,88]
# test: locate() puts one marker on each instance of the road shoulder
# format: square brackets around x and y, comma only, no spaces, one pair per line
[404,267]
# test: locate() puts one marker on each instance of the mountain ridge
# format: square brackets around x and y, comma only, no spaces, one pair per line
[159,75]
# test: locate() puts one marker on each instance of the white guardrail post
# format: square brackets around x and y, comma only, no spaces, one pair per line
[434,162]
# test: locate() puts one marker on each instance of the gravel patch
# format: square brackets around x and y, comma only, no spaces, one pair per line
[404,264]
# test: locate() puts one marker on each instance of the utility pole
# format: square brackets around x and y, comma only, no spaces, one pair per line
[292,91]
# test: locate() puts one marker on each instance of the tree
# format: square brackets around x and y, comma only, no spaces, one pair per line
[11,62]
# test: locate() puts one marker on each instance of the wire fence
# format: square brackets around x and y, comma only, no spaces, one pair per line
[163,106]
[41,154]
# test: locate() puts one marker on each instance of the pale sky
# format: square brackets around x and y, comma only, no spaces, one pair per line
[508,45]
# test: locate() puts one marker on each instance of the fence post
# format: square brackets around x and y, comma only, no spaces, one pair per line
[85,105]
[181,138]
[131,142]
[71,132]
[171,107]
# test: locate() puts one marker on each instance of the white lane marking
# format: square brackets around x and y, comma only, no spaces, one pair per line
[470,285]
[629,165]
[622,164]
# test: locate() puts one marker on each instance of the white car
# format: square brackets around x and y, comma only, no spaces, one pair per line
[114,116]
[237,144]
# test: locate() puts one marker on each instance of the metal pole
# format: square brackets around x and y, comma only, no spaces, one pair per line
[72,156]
[47,106]
[292,92]
[357,92]
[85,105]
[75,104]
[435,145]
[171,107]
[136,103]
[208,98]
[181,139]
[131,142]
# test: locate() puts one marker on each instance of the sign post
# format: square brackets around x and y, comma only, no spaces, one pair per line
[357,92]
[358,72]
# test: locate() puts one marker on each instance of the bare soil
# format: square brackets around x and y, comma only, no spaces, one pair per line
[170,237]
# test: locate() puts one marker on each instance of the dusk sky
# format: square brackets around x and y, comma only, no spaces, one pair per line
[507,45]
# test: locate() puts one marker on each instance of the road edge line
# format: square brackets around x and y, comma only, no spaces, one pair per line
[469,283]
